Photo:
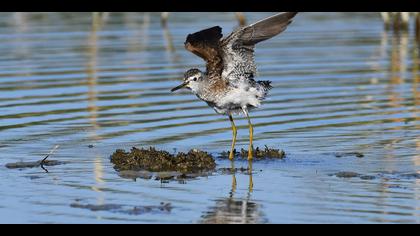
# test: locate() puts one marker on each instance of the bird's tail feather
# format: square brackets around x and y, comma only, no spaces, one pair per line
[266,84]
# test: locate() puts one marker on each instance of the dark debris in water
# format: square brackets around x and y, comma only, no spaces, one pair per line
[356,154]
[132,174]
[259,153]
[242,170]
[32,177]
[367,177]
[164,177]
[32,164]
[380,175]
[411,176]
[118,208]
[227,170]
[152,160]
[346,174]
[92,207]
[350,174]
[41,163]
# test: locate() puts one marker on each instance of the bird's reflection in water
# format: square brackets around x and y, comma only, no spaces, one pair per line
[234,210]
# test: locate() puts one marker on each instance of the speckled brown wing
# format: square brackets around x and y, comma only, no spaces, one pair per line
[206,44]
[238,47]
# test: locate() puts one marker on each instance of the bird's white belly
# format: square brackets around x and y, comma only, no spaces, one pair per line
[237,99]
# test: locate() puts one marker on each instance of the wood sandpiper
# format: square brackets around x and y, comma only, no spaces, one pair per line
[228,84]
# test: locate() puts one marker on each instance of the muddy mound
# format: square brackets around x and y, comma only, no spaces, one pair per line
[150,159]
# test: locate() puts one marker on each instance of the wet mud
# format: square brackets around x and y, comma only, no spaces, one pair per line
[150,159]
[258,153]
[149,163]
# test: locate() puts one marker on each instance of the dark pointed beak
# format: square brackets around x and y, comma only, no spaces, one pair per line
[179,87]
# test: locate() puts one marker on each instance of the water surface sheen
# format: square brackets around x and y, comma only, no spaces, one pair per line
[341,85]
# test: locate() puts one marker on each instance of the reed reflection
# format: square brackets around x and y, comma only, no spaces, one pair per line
[91,70]
[398,72]
[23,49]
[416,114]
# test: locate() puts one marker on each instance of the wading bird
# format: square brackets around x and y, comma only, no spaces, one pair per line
[228,85]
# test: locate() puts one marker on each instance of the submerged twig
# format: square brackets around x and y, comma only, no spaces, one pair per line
[49,154]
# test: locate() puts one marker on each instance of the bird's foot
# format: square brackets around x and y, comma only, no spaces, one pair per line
[231,156]
[250,153]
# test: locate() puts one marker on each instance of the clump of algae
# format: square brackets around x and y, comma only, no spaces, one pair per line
[258,153]
[153,160]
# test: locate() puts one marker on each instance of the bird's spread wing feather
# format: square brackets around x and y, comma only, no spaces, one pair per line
[205,44]
[266,28]
[233,56]
[238,47]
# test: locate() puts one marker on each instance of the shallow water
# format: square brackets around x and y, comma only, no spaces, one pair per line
[341,85]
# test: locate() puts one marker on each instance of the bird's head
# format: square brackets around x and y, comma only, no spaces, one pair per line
[192,80]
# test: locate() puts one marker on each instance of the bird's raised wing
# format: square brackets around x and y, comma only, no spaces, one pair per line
[238,47]
[206,44]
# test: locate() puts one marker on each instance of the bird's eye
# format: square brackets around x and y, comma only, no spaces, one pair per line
[195,79]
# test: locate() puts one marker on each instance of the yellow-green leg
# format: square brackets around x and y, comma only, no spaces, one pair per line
[251,134]
[232,167]
[234,132]
[251,183]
